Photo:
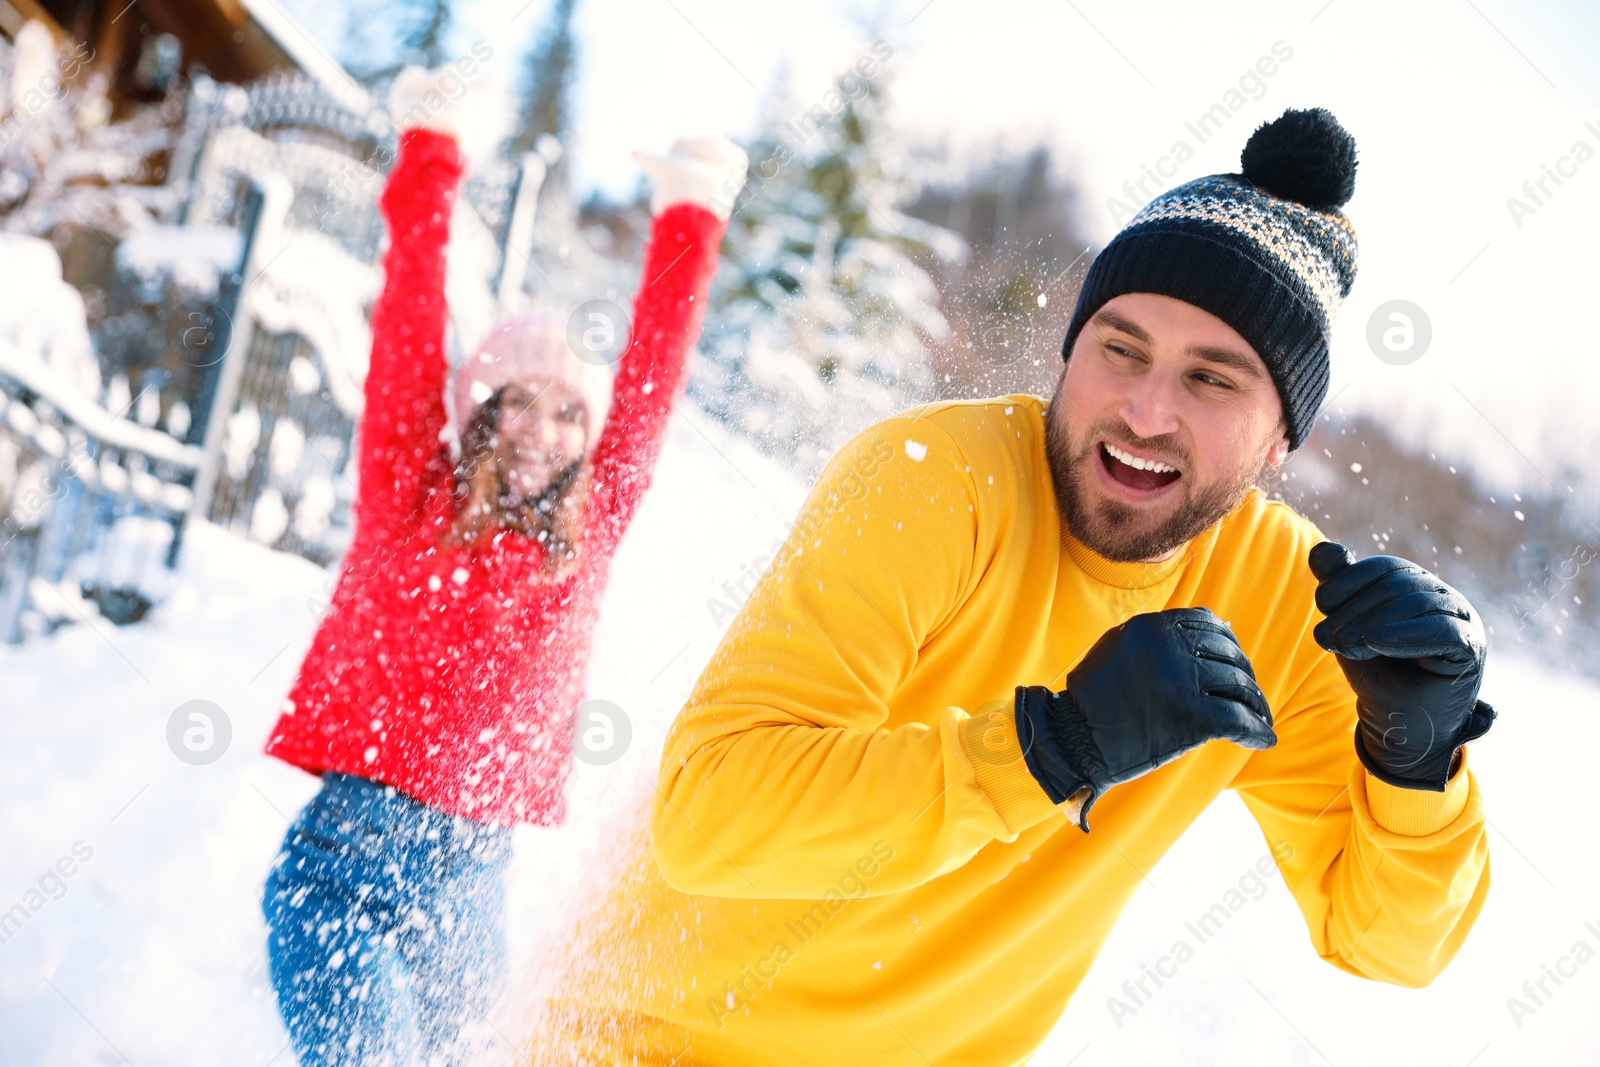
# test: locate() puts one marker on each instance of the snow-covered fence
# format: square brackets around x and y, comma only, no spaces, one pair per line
[280,463]
[281,398]
[235,320]
[331,158]
[91,503]
[92,506]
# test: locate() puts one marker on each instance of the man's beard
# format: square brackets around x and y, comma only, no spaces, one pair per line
[1123,532]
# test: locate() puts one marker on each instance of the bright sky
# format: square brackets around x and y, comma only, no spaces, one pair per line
[1454,104]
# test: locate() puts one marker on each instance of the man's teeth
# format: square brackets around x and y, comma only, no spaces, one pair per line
[1136,463]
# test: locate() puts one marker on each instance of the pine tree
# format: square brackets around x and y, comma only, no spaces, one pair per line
[419,28]
[424,44]
[820,317]
[552,67]
[565,270]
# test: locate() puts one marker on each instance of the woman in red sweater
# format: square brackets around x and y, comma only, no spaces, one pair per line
[438,695]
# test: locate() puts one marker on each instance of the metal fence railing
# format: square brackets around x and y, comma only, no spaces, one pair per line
[94,512]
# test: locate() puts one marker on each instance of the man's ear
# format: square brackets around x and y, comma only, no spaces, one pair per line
[1280,448]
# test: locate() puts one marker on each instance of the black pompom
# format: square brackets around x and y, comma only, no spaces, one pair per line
[1304,156]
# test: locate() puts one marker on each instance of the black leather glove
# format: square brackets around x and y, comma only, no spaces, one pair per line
[1413,649]
[1149,690]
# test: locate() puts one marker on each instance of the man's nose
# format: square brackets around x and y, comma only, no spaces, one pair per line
[1150,409]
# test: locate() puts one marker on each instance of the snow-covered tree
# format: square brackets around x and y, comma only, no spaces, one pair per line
[565,267]
[66,161]
[552,67]
[408,32]
[820,317]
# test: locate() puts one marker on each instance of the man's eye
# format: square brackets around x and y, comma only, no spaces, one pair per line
[1209,380]
[1120,351]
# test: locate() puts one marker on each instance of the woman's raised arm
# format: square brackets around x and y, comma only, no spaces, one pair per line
[405,413]
[695,187]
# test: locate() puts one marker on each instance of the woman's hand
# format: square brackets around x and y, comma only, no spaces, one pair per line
[449,102]
[708,171]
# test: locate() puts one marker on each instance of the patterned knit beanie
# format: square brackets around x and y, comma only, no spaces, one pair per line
[1267,251]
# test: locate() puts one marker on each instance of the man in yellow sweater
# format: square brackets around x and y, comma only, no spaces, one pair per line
[1012,649]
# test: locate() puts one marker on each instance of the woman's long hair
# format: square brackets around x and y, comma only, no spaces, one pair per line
[484,499]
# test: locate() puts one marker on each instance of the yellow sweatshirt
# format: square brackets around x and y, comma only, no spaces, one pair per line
[848,861]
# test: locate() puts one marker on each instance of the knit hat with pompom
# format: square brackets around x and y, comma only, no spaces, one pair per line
[530,350]
[1266,250]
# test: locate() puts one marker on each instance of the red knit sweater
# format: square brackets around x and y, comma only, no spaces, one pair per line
[453,674]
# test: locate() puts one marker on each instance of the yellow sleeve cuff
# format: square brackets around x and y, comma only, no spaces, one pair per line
[989,741]
[1417,812]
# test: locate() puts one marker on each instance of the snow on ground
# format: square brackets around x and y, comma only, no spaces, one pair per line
[150,951]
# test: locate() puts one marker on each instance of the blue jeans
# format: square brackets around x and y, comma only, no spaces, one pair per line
[386,922]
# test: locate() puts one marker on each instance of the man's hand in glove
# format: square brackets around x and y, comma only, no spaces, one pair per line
[1413,649]
[1150,690]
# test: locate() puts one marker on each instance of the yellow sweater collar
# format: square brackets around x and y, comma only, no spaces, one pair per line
[1140,575]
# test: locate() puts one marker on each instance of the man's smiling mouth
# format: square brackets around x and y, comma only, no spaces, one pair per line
[1134,471]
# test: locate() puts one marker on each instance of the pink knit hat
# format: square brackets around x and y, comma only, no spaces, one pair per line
[530,350]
